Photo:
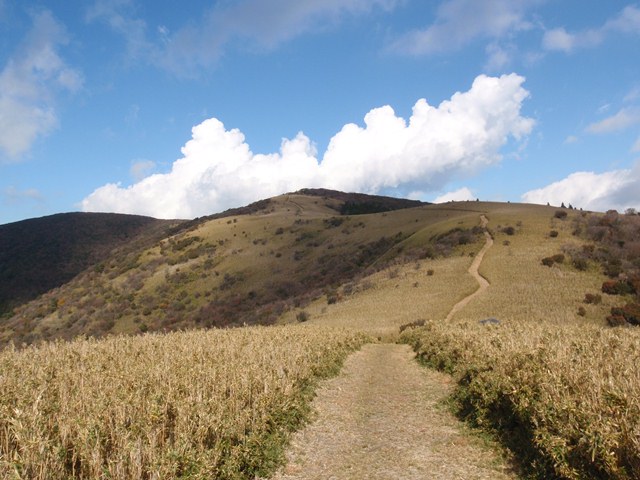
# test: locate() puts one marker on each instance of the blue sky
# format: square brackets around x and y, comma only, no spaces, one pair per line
[182,109]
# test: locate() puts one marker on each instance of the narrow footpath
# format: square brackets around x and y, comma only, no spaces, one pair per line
[483,284]
[382,417]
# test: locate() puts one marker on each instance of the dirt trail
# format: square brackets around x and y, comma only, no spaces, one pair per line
[380,419]
[473,270]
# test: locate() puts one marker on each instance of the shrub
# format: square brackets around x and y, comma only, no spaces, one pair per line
[616,321]
[580,264]
[430,272]
[561,214]
[630,313]
[332,297]
[617,287]
[593,298]
[302,316]
[509,230]
[553,233]
[547,261]
[416,323]
[581,311]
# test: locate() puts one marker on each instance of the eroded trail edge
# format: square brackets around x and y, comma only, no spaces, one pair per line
[483,284]
[380,419]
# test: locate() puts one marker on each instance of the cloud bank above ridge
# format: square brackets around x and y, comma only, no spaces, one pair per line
[218,170]
[615,189]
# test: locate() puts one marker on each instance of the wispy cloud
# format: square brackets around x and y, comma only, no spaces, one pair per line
[459,22]
[254,24]
[119,15]
[12,196]
[625,118]
[141,169]
[626,22]
[437,144]
[29,82]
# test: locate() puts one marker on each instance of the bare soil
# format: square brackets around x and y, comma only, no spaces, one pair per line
[383,418]
[483,284]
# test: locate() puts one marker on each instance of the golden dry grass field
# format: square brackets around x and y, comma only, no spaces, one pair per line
[213,404]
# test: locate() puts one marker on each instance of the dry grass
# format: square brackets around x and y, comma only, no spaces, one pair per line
[524,290]
[397,295]
[567,398]
[214,404]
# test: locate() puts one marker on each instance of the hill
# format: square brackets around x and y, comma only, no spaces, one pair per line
[108,273]
[39,254]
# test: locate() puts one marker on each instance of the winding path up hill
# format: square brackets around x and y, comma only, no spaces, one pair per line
[382,418]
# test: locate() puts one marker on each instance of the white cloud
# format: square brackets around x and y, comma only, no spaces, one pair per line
[621,120]
[255,24]
[459,22]
[626,22]
[459,195]
[617,189]
[636,146]
[498,57]
[141,168]
[571,139]
[28,83]
[558,39]
[218,170]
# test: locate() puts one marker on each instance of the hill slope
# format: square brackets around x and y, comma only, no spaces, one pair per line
[39,254]
[244,265]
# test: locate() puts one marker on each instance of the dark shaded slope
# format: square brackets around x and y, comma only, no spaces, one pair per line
[362,203]
[39,254]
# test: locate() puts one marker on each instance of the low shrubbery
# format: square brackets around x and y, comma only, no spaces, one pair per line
[549,261]
[566,398]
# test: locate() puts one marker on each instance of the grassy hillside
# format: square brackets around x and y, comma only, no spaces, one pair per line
[39,254]
[246,266]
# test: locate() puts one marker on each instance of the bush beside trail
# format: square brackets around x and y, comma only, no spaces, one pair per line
[566,398]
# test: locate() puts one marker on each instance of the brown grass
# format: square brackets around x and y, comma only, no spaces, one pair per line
[565,397]
[214,404]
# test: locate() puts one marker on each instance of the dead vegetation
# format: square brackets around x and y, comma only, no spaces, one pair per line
[216,404]
[566,398]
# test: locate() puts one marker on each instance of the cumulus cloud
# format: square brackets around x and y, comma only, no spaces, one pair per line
[626,22]
[255,24]
[617,189]
[458,22]
[218,170]
[28,83]
[459,195]
[620,121]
